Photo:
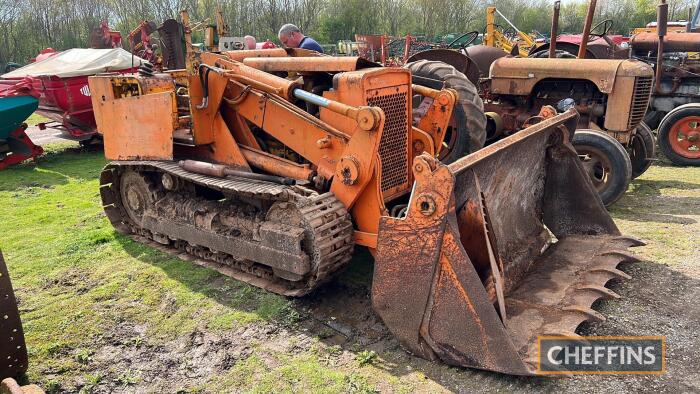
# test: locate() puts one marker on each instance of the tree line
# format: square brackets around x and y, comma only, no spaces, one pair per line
[27,26]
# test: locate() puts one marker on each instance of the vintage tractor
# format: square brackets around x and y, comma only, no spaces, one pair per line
[611,96]
[271,166]
[675,104]
[615,148]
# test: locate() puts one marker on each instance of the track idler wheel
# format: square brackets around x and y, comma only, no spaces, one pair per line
[679,135]
[136,195]
[606,161]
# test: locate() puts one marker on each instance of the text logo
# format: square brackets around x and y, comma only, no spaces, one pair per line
[602,355]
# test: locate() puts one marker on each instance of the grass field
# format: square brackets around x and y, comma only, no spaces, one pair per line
[102,313]
[36,119]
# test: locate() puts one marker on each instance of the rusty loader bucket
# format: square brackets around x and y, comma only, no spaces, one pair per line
[496,249]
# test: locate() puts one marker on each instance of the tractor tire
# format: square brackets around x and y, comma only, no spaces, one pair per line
[642,150]
[679,135]
[558,53]
[467,130]
[606,161]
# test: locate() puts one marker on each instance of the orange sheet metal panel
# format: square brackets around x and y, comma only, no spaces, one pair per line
[132,132]
[101,89]
[240,55]
[308,64]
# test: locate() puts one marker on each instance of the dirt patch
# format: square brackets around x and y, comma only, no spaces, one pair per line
[126,361]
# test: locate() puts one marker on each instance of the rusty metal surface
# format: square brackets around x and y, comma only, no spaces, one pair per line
[483,56]
[503,198]
[272,164]
[289,242]
[519,75]
[251,53]
[456,59]
[13,351]
[131,131]
[309,64]
[586,29]
[676,42]
[554,31]
[172,46]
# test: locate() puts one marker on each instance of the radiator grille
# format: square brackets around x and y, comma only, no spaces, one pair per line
[393,147]
[640,101]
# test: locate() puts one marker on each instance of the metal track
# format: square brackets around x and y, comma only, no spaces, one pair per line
[327,228]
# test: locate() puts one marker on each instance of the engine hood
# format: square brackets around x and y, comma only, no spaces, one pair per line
[518,76]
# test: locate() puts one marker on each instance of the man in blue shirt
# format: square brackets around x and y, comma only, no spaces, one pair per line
[291,37]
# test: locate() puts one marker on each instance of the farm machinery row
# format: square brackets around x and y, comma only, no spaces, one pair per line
[271,166]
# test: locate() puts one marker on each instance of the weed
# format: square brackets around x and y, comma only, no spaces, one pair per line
[137,341]
[334,350]
[52,386]
[357,384]
[366,357]
[83,356]
[128,378]
[91,383]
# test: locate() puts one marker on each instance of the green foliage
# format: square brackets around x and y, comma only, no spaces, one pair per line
[28,26]
[128,378]
[366,357]
[357,384]
[83,356]
[91,383]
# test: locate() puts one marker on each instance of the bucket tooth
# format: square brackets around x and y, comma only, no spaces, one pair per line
[589,293]
[626,256]
[612,273]
[591,314]
[603,291]
[630,241]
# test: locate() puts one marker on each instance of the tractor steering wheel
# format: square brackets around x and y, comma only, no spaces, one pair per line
[473,36]
[607,26]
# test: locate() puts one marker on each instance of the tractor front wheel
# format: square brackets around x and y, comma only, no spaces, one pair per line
[642,150]
[679,135]
[606,161]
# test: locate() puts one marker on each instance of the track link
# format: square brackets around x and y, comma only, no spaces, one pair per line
[133,196]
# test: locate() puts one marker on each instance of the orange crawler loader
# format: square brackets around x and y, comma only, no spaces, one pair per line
[271,167]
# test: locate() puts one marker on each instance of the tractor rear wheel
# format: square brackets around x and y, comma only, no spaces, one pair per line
[606,161]
[466,132]
[642,150]
[679,135]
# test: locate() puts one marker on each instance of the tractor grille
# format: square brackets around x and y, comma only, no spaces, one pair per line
[393,147]
[640,101]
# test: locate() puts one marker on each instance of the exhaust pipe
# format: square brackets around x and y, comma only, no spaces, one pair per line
[586,30]
[553,33]
[661,27]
